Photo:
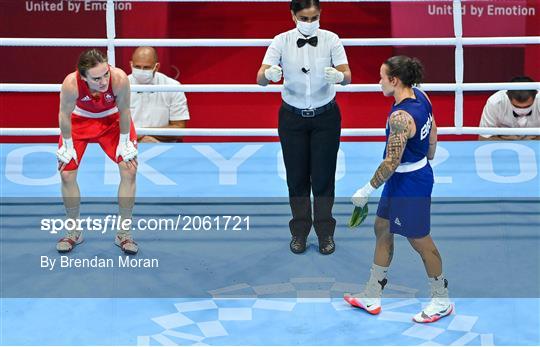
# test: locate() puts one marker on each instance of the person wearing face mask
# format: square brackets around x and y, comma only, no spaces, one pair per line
[155,109]
[512,109]
[311,61]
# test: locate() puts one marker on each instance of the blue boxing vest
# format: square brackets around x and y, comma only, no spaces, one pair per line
[421,111]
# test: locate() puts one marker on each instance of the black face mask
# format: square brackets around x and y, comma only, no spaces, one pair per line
[517,115]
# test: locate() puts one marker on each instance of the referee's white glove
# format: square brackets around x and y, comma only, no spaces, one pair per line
[360,198]
[273,73]
[126,148]
[332,75]
[67,152]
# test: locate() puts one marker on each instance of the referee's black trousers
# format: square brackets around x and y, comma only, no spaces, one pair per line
[310,147]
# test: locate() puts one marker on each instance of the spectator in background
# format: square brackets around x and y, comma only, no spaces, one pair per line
[155,109]
[512,109]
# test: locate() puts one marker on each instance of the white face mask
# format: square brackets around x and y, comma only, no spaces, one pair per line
[306,28]
[143,76]
[522,111]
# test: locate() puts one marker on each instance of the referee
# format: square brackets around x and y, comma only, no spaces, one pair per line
[311,61]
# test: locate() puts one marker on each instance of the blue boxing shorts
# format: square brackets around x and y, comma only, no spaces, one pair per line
[406,202]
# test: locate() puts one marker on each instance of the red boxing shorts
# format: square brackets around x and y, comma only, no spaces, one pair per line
[105,131]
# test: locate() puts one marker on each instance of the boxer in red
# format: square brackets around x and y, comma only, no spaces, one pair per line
[94,107]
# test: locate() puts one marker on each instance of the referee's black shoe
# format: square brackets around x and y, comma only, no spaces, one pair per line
[298,244]
[327,245]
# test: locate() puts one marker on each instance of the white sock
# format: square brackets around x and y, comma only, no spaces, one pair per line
[377,277]
[379,272]
[439,285]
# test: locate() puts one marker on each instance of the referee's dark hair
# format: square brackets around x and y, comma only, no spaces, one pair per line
[521,95]
[299,5]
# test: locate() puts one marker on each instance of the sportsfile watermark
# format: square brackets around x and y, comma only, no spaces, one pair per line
[117,223]
[217,263]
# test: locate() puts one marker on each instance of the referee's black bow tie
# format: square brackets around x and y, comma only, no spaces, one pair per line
[302,42]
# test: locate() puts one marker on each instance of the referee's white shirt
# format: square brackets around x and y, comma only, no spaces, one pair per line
[156,109]
[306,90]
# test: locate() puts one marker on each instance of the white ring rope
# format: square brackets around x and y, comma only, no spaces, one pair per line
[273,132]
[111,32]
[253,88]
[111,42]
[458,32]
[365,42]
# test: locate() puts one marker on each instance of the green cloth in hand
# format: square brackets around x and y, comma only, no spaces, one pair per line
[358,216]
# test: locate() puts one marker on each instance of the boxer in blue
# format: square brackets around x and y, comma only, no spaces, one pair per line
[404,207]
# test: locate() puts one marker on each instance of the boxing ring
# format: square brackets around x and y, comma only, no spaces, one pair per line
[218,285]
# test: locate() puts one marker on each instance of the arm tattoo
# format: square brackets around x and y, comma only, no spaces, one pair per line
[401,124]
